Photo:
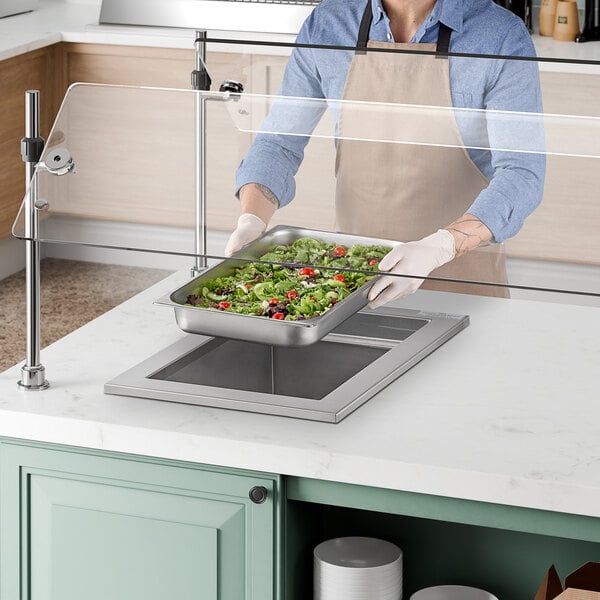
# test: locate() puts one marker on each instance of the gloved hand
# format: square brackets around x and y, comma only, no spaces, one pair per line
[413,258]
[249,227]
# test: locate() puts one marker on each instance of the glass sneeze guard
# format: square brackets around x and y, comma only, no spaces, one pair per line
[133,183]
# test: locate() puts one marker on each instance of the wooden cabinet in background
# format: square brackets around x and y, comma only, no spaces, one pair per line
[165,196]
[565,225]
[150,176]
[37,70]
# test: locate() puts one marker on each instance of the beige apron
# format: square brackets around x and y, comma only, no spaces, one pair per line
[405,191]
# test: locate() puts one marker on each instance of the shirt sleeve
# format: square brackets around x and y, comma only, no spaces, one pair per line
[516,139]
[277,152]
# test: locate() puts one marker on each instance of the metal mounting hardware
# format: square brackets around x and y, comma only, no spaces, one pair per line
[32,373]
[200,78]
[31,149]
[200,82]
[229,85]
[258,494]
[33,378]
[58,162]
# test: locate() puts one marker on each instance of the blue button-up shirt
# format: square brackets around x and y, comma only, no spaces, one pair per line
[478,27]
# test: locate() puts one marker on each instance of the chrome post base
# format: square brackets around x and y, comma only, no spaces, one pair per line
[33,378]
[197,270]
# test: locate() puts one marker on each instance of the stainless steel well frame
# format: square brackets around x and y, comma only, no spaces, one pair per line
[402,354]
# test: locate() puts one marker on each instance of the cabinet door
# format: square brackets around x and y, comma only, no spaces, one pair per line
[77,526]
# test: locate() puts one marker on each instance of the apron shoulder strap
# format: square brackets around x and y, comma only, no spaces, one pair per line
[364,29]
[443,41]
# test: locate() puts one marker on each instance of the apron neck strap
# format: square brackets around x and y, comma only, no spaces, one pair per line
[443,41]
[364,29]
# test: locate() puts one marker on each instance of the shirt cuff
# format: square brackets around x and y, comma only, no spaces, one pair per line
[497,214]
[280,184]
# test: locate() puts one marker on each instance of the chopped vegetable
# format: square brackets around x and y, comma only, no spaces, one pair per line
[288,290]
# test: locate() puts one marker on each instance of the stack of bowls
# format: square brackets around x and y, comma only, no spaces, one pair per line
[357,568]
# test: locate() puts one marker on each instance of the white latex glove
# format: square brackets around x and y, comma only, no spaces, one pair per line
[249,227]
[413,258]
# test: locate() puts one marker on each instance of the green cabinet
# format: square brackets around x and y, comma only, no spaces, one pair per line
[76,525]
[81,524]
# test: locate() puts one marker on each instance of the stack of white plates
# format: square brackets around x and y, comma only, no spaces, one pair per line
[452,592]
[357,568]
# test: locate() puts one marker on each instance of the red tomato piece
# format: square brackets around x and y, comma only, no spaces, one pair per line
[248,286]
[339,251]
[340,278]
[223,305]
[273,301]
[279,315]
[306,271]
[292,295]
[373,262]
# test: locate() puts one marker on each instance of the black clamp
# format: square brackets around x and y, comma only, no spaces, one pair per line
[31,149]
[201,80]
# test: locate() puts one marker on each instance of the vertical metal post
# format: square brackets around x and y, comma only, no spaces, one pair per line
[200,81]
[32,373]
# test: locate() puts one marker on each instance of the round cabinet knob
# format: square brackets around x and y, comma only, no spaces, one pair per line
[258,494]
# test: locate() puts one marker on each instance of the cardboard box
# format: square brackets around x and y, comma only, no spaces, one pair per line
[582,584]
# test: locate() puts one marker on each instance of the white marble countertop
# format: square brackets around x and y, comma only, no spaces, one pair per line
[507,411]
[77,21]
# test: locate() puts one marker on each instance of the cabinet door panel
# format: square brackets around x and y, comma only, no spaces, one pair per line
[100,527]
[96,541]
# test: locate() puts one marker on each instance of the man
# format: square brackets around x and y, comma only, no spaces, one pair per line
[443,201]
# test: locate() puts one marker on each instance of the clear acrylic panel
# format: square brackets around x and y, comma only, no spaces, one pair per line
[532,137]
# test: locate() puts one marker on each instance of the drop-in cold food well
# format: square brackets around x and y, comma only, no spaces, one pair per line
[325,381]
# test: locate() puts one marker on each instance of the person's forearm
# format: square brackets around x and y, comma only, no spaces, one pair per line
[468,233]
[259,200]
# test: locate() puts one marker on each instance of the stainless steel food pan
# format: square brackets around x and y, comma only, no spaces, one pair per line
[261,329]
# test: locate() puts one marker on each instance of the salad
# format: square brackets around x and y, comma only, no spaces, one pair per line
[291,291]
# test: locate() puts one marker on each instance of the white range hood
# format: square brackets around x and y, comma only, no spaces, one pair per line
[264,16]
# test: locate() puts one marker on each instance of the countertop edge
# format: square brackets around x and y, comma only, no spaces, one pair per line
[287,461]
